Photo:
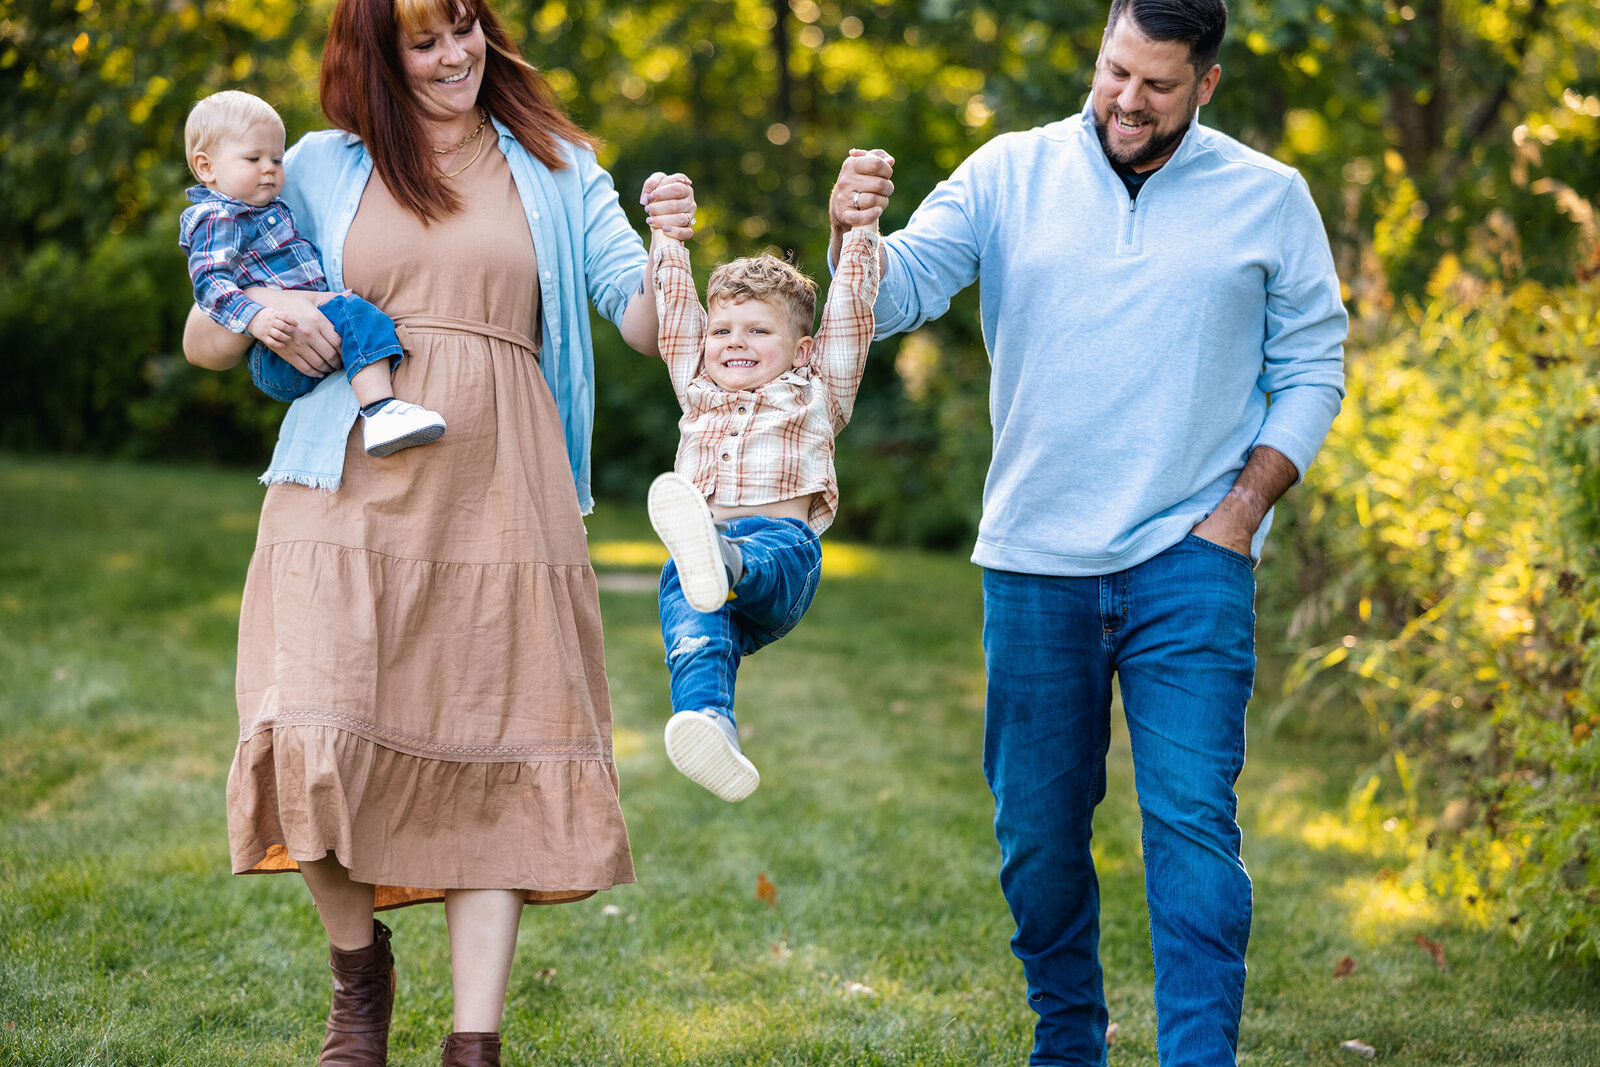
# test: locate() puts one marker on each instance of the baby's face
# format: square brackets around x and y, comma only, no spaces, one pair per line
[751,342]
[247,167]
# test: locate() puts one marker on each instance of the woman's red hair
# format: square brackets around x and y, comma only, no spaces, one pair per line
[364,91]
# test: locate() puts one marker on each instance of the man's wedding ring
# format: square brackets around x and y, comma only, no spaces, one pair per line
[855,200]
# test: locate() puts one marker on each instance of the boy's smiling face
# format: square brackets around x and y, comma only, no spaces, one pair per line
[750,342]
[247,166]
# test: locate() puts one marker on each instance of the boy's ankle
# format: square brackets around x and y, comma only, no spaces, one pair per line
[732,558]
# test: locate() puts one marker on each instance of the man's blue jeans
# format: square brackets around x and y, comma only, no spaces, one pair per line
[1178,632]
[366,335]
[782,565]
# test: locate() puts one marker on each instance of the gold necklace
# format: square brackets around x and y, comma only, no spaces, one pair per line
[483,117]
[474,159]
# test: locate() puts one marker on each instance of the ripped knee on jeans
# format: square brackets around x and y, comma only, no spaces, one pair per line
[686,645]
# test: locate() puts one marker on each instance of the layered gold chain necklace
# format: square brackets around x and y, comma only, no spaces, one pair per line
[483,118]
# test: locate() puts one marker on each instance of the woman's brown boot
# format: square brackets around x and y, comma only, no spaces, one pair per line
[363,998]
[472,1050]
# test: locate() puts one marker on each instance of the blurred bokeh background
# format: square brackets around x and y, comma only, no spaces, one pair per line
[1434,581]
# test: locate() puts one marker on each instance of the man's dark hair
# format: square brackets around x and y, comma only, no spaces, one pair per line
[1198,23]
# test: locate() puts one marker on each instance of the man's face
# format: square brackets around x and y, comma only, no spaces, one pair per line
[1145,95]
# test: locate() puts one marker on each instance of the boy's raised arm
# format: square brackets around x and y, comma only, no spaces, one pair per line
[680,320]
[846,333]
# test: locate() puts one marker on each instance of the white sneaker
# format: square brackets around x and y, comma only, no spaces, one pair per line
[705,747]
[682,520]
[399,425]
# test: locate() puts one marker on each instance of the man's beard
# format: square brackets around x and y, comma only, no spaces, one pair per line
[1155,148]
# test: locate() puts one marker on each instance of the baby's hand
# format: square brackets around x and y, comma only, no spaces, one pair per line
[272,328]
[669,205]
[863,188]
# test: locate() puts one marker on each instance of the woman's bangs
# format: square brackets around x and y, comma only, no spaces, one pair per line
[413,16]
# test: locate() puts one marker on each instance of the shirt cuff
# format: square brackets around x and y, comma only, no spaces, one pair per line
[237,312]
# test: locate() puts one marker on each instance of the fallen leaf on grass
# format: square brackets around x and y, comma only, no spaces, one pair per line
[1344,967]
[1360,1048]
[1434,949]
[1112,1030]
[782,950]
[766,892]
[546,974]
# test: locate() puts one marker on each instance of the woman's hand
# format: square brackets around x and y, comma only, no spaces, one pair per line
[313,345]
[669,206]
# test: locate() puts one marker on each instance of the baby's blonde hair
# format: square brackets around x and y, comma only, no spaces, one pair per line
[770,280]
[221,116]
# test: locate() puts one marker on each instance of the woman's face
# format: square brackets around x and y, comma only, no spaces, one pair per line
[443,64]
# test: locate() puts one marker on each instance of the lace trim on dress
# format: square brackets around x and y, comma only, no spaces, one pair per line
[531,750]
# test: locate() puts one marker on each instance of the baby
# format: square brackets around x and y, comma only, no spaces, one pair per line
[239,233]
[754,485]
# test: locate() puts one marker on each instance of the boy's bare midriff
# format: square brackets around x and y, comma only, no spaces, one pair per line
[796,507]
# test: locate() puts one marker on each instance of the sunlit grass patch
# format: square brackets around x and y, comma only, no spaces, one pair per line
[844,560]
[627,553]
[1382,906]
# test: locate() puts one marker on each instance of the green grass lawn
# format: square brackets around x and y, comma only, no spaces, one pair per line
[123,939]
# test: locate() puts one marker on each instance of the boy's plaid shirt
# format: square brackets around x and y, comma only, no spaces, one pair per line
[232,246]
[774,443]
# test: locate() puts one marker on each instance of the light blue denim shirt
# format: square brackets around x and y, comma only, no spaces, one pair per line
[1140,348]
[587,251]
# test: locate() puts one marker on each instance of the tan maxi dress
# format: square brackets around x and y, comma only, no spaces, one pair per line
[422,687]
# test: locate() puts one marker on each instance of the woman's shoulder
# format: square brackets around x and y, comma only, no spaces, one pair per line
[574,156]
[326,168]
[324,147]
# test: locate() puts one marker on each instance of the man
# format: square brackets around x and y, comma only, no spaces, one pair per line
[1147,285]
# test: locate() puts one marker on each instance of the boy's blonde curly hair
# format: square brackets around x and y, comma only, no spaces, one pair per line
[769,279]
[221,116]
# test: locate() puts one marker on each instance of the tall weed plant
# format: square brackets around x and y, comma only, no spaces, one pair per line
[1446,561]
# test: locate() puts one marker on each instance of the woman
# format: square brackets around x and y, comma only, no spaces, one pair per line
[422,694]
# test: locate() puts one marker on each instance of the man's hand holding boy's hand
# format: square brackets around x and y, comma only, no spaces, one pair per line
[669,205]
[863,189]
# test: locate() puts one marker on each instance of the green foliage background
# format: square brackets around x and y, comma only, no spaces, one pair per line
[1439,564]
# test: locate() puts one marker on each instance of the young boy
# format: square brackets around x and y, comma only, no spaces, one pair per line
[239,233]
[754,485]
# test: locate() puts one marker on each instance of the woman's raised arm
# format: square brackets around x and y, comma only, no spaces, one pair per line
[669,204]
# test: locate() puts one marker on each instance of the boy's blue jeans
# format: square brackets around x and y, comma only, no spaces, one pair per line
[1178,632]
[366,335]
[782,565]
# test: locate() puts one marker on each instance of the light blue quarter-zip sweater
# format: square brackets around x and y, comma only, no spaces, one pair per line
[588,253]
[1134,343]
